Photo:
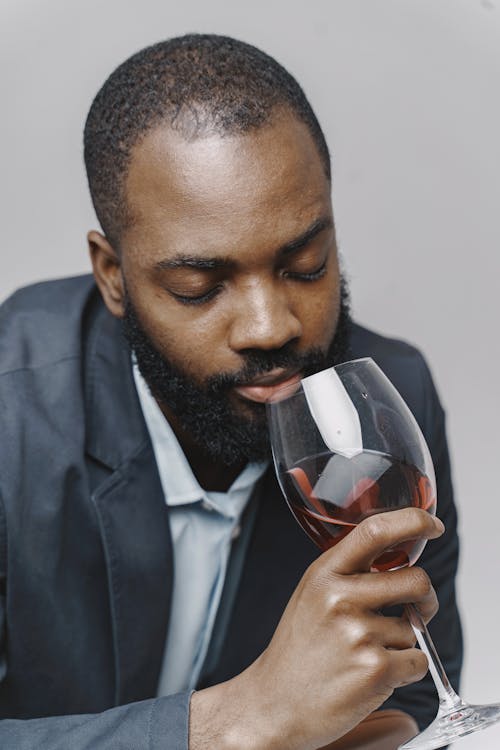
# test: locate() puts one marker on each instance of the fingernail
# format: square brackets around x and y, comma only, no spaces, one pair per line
[439,524]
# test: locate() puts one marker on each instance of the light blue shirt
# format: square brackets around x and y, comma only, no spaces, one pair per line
[203,526]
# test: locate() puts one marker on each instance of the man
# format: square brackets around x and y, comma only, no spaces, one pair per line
[145,551]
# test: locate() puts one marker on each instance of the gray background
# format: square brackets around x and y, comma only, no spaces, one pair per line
[408,94]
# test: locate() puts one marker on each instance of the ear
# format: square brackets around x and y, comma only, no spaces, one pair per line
[107,272]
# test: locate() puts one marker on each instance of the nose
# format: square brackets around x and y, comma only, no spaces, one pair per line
[263,318]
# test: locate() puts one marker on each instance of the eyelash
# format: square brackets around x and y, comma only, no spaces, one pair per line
[312,276]
[204,298]
[198,300]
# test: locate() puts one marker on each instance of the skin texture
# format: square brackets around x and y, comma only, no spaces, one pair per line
[333,659]
[237,200]
[257,207]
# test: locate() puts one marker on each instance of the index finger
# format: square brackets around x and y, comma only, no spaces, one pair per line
[357,551]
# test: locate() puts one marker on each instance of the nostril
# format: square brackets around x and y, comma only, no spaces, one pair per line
[259,332]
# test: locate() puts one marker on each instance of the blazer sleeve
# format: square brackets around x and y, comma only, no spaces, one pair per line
[440,560]
[155,724]
[158,724]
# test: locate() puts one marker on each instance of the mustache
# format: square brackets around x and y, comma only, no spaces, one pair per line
[205,409]
[259,363]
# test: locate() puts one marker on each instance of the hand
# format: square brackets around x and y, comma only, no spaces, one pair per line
[333,658]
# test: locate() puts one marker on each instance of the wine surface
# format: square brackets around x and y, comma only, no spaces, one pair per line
[330,494]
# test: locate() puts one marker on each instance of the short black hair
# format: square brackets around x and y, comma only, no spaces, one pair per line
[198,83]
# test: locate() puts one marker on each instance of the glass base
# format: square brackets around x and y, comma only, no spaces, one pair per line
[448,727]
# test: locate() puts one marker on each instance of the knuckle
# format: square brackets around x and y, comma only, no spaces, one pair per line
[320,580]
[421,664]
[310,576]
[374,528]
[429,610]
[339,604]
[434,608]
[426,520]
[376,664]
[408,637]
[420,582]
[359,635]
[417,666]
[315,575]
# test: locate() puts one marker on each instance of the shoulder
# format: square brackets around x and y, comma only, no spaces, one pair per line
[365,342]
[41,323]
[42,343]
[404,365]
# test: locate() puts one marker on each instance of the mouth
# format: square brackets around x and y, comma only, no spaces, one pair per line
[263,388]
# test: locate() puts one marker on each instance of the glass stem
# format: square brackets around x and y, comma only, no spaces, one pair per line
[448,699]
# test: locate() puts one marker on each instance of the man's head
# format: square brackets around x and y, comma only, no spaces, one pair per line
[197,84]
[211,178]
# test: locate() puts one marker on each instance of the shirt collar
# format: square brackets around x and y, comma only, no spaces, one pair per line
[179,484]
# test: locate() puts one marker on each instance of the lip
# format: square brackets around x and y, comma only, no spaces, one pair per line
[264,388]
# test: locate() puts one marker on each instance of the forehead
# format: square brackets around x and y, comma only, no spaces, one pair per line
[219,191]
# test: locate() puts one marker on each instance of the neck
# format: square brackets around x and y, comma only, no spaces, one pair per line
[212,475]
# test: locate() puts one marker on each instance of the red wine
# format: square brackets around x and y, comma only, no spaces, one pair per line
[330,494]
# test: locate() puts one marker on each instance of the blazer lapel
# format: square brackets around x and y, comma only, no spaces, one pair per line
[132,514]
[136,539]
[277,555]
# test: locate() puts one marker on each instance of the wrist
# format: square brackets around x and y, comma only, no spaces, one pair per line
[224,716]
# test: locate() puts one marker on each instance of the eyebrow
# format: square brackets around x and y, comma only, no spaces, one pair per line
[209,264]
[316,228]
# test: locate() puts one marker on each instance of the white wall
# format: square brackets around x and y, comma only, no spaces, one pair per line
[408,93]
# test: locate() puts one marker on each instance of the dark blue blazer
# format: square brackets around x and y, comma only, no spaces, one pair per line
[85,548]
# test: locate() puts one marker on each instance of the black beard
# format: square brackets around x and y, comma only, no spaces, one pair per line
[205,411]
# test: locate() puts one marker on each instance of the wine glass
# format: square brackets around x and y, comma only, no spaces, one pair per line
[345,446]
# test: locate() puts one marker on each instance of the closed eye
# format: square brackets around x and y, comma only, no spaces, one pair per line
[198,299]
[307,276]
[201,299]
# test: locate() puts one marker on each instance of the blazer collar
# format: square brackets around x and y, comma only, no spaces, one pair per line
[130,507]
[115,424]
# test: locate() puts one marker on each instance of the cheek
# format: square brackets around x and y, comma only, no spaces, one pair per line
[319,312]
[191,343]
[190,347]
[193,340]
[188,341]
